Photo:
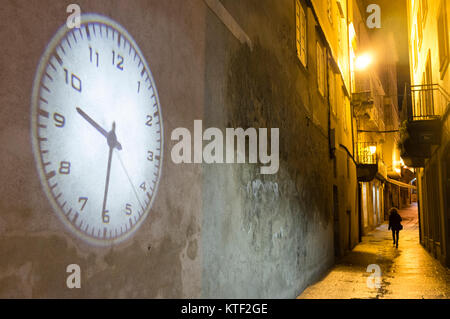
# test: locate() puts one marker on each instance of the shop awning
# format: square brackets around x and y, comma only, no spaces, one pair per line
[401,184]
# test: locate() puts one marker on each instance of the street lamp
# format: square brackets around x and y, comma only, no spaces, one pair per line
[363,61]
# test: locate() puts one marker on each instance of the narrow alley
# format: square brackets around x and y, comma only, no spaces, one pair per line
[408,272]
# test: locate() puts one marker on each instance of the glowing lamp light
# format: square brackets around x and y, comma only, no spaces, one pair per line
[363,61]
[372,149]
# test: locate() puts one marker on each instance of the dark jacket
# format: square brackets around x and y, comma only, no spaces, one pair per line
[394,221]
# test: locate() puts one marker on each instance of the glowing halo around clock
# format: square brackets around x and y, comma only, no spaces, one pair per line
[97,130]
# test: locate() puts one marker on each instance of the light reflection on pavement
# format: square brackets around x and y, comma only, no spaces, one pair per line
[408,272]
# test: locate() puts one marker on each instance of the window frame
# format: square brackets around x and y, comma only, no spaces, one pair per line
[332,95]
[415,48]
[320,68]
[301,33]
[330,11]
[424,12]
[419,27]
[442,35]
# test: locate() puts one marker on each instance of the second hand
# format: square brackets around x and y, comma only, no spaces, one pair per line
[129,179]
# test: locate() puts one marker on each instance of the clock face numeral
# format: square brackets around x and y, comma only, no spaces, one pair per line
[64,168]
[75,80]
[59,119]
[105,217]
[149,120]
[128,209]
[118,62]
[95,58]
[84,200]
[94,84]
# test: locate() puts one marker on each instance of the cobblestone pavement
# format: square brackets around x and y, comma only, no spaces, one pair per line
[408,272]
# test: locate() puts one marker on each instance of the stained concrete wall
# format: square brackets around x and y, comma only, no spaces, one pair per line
[266,235]
[214,230]
[163,259]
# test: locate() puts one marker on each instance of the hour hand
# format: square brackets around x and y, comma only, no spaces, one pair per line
[92,122]
[110,136]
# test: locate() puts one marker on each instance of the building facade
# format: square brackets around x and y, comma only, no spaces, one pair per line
[377,118]
[425,135]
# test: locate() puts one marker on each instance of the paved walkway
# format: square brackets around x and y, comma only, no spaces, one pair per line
[408,272]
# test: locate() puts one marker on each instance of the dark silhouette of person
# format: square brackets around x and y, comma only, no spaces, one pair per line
[395,225]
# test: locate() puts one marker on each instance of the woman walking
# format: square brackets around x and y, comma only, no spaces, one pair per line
[395,225]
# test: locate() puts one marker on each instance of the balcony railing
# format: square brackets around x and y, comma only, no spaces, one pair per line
[367,153]
[361,97]
[429,102]
[369,107]
[423,130]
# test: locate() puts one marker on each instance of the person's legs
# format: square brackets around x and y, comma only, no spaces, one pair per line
[398,236]
[393,236]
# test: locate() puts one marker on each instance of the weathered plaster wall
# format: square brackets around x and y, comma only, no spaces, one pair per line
[214,230]
[163,259]
[265,235]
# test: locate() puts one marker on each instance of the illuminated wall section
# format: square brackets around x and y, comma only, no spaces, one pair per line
[97,130]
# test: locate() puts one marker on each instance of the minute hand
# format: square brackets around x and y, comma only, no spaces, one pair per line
[112,142]
[97,127]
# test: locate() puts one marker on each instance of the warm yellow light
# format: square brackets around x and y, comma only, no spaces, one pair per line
[398,170]
[363,61]
[351,32]
[372,149]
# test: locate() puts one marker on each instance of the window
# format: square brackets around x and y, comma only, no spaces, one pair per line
[339,26]
[340,9]
[428,80]
[332,90]
[419,27]
[346,115]
[443,39]
[330,11]
[415,49]
[300,25]
[320,52]
[424,10]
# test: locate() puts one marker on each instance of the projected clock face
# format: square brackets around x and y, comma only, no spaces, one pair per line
[97,130]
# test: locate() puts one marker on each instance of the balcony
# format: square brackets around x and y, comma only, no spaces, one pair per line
[429,102]
[423,129]
[367,160]
[366,107]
